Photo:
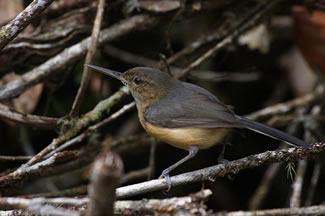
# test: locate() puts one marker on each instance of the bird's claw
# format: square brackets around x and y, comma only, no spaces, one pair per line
[167,178]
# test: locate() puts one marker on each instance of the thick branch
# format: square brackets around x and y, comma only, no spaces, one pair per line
[72,54]
[233,167]
[27,119]
[89,57]
[14,27]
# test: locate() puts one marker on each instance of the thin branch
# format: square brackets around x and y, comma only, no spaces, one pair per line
[81,137]
[72,54]
[14,158]
[83,122]
[17,25]
[152,159]
[264,187]
[283,108]
[42,205]
[313,184]
[311,210]
[18,202]
[221,170]
[70,192]
[295,199]
[227,26]
[76,52]
[56,164]
[135,175]
[35,170]
[89,57]
[243,27]
[191,204]
[27,119]
[211,76]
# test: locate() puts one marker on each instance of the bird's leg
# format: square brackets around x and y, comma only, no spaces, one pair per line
[221,157]
[193,150]
[222,160]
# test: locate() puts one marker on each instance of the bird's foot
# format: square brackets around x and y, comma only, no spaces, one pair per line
[226,163]
[167,178]
[223,161]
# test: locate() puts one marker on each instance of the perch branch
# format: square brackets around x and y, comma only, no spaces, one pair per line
[210,173]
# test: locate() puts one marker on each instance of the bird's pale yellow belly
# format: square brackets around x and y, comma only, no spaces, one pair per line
[186,137]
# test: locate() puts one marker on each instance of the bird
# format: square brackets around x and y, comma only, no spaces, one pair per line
[185,115]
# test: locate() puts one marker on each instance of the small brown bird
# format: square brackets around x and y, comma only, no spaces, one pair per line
[185,115]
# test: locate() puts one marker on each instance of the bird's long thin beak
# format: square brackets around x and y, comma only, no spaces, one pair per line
[115,74]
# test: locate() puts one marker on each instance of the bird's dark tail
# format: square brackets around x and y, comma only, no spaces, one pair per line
[271,132]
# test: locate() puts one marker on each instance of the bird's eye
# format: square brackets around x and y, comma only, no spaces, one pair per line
[137,80]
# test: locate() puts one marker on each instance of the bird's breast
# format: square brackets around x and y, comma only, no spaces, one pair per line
[185,137]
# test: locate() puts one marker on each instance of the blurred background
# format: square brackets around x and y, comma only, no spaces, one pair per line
[281,56]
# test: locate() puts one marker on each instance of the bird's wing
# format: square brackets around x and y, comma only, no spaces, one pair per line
[191,106]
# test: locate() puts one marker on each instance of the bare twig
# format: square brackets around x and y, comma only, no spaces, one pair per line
[311,210]
[295,199]
[56,164]
[283,108]
[26,171]
[191,204]
[229,39]
[211,76]
[89,57]
[261,192]
[134,175]
[92,129]
[14,158]
[223,30]
[71,192]
[72,54]
[87,119]
[232,167]
[12,212]
[36,170]
[152,159]
[27,119]
[76,52]
[313,184]
[187,205]
[14,27]
[42,205]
